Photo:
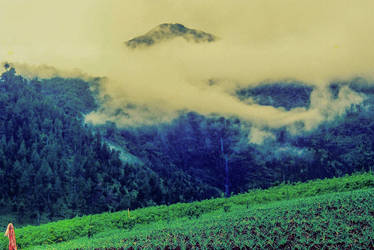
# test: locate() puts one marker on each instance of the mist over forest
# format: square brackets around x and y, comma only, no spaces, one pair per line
[126,105]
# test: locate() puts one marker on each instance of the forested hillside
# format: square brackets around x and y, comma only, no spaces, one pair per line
[54,165]
[198,145]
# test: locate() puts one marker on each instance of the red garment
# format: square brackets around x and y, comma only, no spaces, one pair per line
[12,237]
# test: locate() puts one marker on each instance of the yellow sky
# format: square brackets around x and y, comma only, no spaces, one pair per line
[311,41]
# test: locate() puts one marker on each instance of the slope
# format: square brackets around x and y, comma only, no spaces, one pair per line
[337,220]
[52,165]
[67,230]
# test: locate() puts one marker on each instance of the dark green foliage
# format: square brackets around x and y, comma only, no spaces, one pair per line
[187,154]
[286,95]
[51,164]
[75,96]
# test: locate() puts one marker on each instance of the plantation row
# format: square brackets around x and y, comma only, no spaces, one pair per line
[67,230]
[331,221]
[319,223]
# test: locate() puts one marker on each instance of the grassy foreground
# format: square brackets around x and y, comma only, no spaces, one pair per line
[247,220]
[332,221]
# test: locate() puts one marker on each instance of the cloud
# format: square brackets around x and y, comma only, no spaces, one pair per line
[314,42]
[258,136]
[31,71]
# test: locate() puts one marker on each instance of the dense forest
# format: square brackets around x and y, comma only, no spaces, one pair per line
[198,145]
[54,165]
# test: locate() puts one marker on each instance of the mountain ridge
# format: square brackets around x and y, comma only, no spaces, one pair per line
[168,31]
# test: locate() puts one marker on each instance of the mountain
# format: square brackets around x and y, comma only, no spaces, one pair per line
[198,145]
[168,31]
[54,165]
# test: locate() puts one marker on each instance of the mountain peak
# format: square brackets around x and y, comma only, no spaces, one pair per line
[168,31]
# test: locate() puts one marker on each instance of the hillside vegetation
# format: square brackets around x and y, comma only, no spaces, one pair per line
[332,221]
[67,230]
[54,165]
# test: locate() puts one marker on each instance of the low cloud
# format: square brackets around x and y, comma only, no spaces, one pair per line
[314,42]
[257,136]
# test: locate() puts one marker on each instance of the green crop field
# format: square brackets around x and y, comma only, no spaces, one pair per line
[341,221]
[332,213]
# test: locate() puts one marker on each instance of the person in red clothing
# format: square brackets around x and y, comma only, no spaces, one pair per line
[12,237]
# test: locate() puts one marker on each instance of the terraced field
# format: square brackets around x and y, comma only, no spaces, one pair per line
[330,213]
[333,221]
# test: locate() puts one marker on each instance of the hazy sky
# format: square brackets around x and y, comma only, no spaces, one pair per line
[263,40]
